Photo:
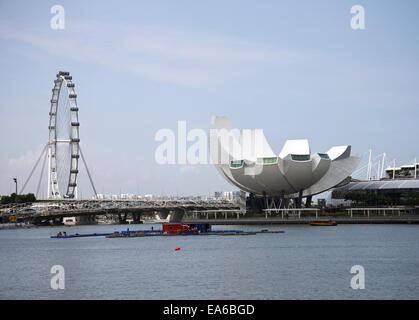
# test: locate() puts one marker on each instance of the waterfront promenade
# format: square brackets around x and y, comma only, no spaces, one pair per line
[353,215]
[243,220]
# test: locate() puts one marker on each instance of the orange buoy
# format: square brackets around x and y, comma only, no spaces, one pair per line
[177,248]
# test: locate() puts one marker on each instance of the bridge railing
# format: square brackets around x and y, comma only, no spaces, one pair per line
[291,211]
[12,207]
[69,206]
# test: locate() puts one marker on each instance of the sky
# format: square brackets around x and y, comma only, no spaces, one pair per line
[295,69]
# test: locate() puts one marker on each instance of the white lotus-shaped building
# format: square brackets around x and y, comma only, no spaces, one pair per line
[249,163]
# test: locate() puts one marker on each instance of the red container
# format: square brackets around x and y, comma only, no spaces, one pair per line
[172,228]
[185,228]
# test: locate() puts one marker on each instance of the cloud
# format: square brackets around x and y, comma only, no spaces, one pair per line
[26,161]
[187,58]
[206,49]
[20,167]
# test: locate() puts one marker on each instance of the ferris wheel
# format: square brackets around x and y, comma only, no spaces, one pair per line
[63,142]
[63,149]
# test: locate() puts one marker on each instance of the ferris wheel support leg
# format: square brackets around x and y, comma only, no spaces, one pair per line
[49,172]
[33,169]
[88,173]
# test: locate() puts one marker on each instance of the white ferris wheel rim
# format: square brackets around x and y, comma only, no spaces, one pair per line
[63,77]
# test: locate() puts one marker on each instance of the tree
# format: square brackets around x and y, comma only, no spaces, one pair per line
[18,198]
[412,198]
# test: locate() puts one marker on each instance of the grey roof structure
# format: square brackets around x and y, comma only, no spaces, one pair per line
[397,184]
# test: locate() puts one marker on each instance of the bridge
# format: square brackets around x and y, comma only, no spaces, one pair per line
[53,211]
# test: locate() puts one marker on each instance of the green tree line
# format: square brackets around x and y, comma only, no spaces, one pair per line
[18,198]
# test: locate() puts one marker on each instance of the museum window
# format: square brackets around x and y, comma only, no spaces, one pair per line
[271,160]
[300,157]
[236,163]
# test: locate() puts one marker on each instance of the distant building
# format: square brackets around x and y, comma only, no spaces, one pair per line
[228,195]
[127,196]
[218,194]
[236,195]
[148,196]
[404,172]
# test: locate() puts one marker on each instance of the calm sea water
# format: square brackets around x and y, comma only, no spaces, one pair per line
[302,263]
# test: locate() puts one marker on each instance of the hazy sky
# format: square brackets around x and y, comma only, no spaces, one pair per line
[293,68]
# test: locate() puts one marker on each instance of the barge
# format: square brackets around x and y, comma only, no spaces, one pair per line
[170,230]
[65,236]
[182,229]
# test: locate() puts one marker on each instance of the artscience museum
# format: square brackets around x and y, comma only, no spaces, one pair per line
[245,159]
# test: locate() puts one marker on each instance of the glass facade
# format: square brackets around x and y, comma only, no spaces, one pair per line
[323,155]
[236,163]
[300,157]
[271,160]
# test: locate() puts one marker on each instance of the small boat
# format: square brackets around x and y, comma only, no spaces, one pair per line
[323,223]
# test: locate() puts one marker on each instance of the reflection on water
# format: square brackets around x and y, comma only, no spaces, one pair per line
[302,263]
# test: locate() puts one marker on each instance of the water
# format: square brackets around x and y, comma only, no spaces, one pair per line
[303,263]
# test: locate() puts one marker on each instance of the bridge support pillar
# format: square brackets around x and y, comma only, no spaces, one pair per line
[177,216]
[122,218]
[284,203]
[242,202]
[298,201]
[136,217]
[308,201]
